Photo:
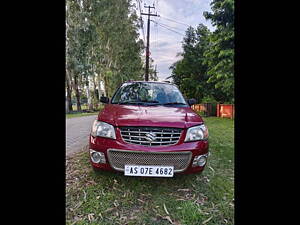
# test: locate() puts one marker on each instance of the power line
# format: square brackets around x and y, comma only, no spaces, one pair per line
[162,54]
[168,28]
[171,30]
[155,35]
[174,21]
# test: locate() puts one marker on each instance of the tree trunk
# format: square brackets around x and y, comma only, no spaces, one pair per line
[99,86]
[77,93]
[95,94]
[69,94]
[100,93]
[88,95]
[105,86]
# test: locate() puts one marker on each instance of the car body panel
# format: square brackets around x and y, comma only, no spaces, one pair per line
[119,115]
[103,144]
[163,116]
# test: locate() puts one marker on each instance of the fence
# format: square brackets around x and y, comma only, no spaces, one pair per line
[225,110]
[208,109]
[211,109]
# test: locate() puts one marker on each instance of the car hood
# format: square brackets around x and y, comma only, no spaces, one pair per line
[159,116]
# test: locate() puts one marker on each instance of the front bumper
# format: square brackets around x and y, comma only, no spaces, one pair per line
[105,144]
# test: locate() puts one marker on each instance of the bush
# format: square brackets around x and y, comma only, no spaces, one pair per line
[208,99]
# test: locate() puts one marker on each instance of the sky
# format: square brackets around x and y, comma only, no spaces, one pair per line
[164,43]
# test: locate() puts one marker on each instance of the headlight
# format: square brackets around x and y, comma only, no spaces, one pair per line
[196,133]
[102,129]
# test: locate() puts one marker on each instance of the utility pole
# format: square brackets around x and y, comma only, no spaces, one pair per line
[148,36]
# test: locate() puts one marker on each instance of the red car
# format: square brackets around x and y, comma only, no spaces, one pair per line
[148,129]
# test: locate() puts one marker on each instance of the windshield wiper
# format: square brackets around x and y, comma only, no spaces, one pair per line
[174,103]
[146,101]
[129,103]
[151,102]
[138,102]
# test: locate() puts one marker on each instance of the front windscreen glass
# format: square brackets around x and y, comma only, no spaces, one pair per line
[139,93]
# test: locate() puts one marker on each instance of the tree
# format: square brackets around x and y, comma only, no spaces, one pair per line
[69,92]
[74,46]
[220,56]
[206,70]
[103,45]
[190,73]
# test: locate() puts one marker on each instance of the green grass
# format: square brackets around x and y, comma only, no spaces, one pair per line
[83,107]
[72,115]
[111,198]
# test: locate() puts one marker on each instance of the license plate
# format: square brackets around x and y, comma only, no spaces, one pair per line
[149,171]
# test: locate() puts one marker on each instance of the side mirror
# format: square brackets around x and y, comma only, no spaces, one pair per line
[191,101]
[104,99]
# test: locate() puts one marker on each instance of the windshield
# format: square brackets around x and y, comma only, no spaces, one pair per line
[139,93]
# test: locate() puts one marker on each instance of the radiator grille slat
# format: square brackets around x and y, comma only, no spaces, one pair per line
[160,135]
[119,158]
[153,142]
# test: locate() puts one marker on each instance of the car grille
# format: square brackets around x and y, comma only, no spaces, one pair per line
[151,136]
[119,158]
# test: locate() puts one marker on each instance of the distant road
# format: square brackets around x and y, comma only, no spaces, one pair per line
[77,133]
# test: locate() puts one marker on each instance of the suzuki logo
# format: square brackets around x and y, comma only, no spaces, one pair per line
[151,136]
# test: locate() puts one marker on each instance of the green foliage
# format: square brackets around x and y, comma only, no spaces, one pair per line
[221,55]
[190,72]
[209,99]
[102,41]
[206,70]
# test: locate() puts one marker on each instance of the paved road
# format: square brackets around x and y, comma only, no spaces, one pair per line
[77,133]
